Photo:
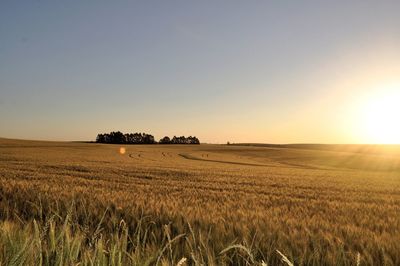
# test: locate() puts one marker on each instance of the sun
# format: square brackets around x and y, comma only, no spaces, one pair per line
[380,116]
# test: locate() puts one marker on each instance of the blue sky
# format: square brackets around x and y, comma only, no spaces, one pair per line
[241,71]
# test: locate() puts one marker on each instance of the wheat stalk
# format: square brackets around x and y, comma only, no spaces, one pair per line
[285,259]
[181,262]
[358,260]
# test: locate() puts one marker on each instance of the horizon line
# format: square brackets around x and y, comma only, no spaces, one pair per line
[219,143]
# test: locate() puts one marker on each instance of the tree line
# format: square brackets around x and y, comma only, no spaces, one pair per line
[117,137]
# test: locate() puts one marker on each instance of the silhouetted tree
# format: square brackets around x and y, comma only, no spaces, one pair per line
[165,140]
[193,140]
[148,139]
[100,138]
[129,138]
[117,137]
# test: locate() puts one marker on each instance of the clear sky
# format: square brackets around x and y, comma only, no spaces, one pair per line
[239,71]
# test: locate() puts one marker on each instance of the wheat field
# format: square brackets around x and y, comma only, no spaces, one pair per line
[69,203]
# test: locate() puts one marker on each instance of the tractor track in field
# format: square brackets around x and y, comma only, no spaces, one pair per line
[131,155]
[190,157]
[139,156]
[283,165]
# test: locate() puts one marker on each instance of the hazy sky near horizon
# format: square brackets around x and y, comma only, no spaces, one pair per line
[239,71]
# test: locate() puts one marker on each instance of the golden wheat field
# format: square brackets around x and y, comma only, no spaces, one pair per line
[198,204]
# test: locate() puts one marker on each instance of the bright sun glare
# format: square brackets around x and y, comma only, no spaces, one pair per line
[381,116]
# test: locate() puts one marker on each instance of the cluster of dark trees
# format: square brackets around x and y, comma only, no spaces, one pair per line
[117,137]
[179,140]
